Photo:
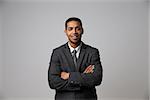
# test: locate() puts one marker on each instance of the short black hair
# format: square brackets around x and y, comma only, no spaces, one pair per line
[73,19]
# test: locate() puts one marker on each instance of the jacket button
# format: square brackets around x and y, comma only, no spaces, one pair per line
[71,82]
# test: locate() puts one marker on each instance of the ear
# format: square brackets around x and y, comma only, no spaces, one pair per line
[65,31]
[82,30]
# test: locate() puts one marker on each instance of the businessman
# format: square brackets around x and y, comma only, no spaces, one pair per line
[75,68]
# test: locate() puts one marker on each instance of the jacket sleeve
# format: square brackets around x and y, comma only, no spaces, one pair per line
[76,79]
[89,79]
[54,79]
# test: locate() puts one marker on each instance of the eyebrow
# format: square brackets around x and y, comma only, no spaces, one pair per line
[73,27]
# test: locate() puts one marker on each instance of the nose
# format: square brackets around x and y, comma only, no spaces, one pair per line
[74,30]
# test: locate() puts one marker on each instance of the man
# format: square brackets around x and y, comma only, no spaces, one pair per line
[75,68]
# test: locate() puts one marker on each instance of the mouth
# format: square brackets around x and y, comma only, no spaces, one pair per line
[74,37]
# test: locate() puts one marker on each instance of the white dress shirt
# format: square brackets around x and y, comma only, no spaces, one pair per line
[78,48]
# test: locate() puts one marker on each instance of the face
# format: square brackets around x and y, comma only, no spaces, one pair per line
[74,32]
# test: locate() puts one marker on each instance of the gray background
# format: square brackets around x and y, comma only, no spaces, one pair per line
[29,30]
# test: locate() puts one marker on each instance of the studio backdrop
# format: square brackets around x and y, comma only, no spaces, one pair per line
[30,30]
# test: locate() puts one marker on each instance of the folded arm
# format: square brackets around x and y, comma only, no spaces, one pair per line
[72,81]
[92,75]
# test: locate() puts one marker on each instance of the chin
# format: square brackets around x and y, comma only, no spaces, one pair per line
[75,42]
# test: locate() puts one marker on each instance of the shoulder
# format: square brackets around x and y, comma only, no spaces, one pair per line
[90,48]
[59,48]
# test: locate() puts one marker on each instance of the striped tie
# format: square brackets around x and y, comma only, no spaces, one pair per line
[74,57]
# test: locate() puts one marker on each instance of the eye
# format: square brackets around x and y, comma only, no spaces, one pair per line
[69,28]
[78,28]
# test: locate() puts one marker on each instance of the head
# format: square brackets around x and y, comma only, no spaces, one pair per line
[74,31]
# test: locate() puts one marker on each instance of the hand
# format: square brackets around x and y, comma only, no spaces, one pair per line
[64,75]
[89,69]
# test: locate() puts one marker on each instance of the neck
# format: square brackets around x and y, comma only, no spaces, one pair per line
[74,45]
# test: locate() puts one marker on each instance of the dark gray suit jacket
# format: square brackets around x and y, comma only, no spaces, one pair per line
[79,86]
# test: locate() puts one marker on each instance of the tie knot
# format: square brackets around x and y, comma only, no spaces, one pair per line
[74,51]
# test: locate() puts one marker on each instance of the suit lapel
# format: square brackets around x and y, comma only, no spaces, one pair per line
[81,56]
[69,58]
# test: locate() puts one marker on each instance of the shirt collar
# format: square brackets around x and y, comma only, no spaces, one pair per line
[77,48]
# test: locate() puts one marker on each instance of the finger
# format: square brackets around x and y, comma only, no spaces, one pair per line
[88,67]
[93,66]
[89,71]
